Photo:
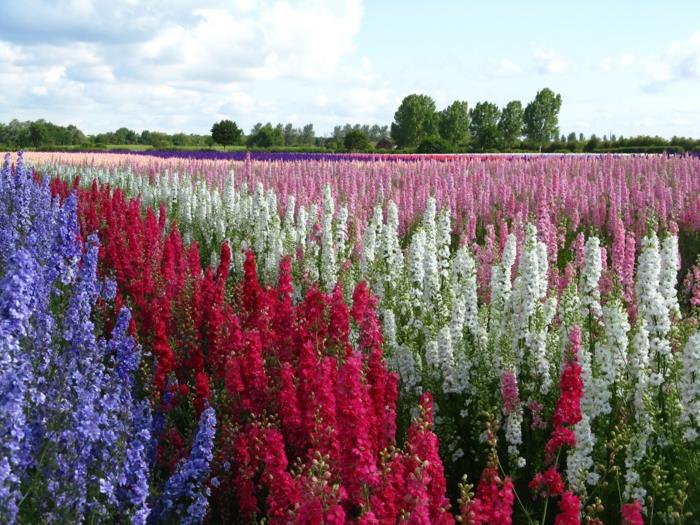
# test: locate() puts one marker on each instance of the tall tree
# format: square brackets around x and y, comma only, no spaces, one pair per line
[542,117]
[454,123]
[308,135]
[226,133]
[510,124]
[484,125]
[414,120]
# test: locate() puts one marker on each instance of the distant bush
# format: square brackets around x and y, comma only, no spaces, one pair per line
[434,145]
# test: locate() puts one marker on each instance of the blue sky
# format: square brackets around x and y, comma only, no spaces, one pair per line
[621,67]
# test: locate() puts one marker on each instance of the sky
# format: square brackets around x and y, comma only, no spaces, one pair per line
[624,67]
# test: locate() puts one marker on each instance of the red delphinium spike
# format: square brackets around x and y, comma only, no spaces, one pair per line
[290,414]
[252,292]
[202,391]
[339,322]
[568,409]
[493,501]
[321,416]
[358,467]
[547,484]
[632,513]
[283,322]
[165,359]
[422,444]
[245,468]
[312,314]
[569,510]
[282,491]
[363,312]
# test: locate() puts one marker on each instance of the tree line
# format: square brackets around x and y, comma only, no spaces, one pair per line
[418,126]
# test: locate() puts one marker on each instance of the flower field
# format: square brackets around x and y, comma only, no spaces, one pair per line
[360,339]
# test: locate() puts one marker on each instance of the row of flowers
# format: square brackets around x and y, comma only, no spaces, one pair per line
[308,418]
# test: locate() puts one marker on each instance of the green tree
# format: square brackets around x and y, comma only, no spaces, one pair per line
[308,136]
[484,125]
[454,123]
[38,134]
[356,140]
[510,125]
[542,117]
[414,120]
[571,137]
[225,132]
[266,136]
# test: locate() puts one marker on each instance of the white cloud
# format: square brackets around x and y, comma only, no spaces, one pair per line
[159,60]
[550,62]
[617,62]
[681,61]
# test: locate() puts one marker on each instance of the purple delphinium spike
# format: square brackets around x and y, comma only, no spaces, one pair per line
[185,497]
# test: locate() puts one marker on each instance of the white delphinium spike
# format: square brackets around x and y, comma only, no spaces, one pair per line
[527,294]
[690,387]
[670,264]
[590,277]
[446,357]
[543,268]
[416,254]
[391,248]
[610,354]
[399,357]
[634,454]
[501,287]
[431,283]
[301,229]
[432,355]
[579,462]
[341,232]
[639,368]
[464,289]
[651,306]
[444,240]
[329,270]
[229,197]
[369,245]
[328,202]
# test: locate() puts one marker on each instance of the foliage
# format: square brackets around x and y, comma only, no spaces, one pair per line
[226,133]
[356,140]
[484,125]
[510,124]
[541,117]
[454,124]
[414,120]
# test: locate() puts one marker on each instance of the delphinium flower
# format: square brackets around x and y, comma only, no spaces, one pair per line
[328,253]
[632,513]
[609,357]
[668,274]
[691,284]
[513,412]
[17,301]
[493,501]
[567,412]
[590,277]
[391,249]
[651,306]
[185,496]
[569,510]
[690,387]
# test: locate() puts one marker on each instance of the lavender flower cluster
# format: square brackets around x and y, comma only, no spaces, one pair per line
[75,440]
